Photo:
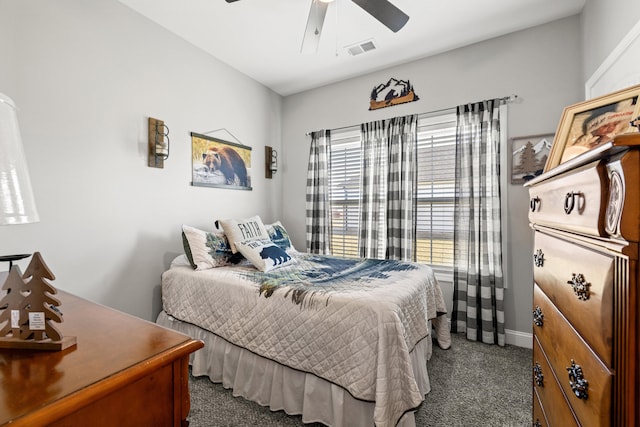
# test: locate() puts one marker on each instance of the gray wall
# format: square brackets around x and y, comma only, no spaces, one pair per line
[604,24]
[545,79]
[85,75]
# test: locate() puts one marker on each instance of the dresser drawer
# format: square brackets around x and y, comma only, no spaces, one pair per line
[574,201]
[538,418]
[565,350]
[554,405]
[556,261]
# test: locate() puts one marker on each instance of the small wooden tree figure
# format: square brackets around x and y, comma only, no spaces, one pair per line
[12,304]
[32,310]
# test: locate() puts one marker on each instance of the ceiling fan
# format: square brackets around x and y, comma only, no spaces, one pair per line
[382,10]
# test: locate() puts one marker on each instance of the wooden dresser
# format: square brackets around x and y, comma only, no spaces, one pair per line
[124,371]
[586,218]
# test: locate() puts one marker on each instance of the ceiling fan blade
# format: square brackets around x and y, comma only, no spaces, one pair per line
[385,12]
[312,32]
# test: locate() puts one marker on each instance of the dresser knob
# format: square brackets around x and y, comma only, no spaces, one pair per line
[538,317]
[537,423]
[580,286]
[537,375]
[577,382]
[570,201]
[538,258]
[533,203]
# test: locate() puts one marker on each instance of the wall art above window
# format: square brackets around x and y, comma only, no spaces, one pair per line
[392,93]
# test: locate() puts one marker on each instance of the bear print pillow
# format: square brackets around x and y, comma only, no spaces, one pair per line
[264,254]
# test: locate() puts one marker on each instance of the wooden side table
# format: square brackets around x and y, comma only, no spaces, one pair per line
[124,371]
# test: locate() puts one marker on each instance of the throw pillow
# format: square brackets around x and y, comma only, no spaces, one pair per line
[238,230]
[279,236]
[204,249]
[264,254]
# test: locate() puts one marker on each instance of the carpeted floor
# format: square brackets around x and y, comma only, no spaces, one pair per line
[471,384]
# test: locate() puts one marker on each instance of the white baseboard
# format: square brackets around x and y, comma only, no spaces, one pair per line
[519,339]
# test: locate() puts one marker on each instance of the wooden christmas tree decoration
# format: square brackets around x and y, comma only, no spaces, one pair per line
[28,310]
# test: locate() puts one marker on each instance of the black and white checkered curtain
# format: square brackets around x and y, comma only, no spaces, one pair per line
[371,243]
[402,183]
[389,179]
[478,284]
[318,217]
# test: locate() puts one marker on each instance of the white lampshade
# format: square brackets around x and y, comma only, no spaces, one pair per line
[17,205]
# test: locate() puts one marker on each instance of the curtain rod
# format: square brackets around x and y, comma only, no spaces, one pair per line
[505,99]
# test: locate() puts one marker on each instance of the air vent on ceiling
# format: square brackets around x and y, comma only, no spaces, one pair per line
[361,47]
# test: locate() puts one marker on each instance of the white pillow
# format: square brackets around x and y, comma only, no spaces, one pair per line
[238,230]
[264,254]
[205,250]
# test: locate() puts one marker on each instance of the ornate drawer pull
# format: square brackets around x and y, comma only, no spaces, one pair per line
[538,258]
[580,286]
[538,317]
[533,203]
[570,201]
[538,377]
[577,382]
[537,423]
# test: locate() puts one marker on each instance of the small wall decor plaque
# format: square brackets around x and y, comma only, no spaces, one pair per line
[529,156]
[392,93]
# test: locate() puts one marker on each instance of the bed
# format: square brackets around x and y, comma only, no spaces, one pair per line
[339,341]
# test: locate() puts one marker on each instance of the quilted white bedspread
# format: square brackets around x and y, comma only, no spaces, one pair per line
[351,322]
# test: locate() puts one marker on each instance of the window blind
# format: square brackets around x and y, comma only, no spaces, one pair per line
[436,187]
[344,191]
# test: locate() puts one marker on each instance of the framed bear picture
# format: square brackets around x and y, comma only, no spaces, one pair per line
[219,163]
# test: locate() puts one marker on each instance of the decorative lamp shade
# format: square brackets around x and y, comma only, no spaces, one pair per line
[17,205]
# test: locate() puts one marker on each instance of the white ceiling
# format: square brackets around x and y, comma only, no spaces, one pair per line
[262,38]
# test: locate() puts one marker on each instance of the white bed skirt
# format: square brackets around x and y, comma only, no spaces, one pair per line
[271,384]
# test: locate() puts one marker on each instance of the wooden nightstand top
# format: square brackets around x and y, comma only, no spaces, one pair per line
[113,349]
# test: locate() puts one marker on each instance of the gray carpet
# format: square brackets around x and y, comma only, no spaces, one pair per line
[471,384]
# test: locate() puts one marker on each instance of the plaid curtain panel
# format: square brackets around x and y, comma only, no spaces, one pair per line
[389,178]
[318,218]
[372,190]
[402,181]
[478,284]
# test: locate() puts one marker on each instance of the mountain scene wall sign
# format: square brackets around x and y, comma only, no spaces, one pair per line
[392,93]
[529,156]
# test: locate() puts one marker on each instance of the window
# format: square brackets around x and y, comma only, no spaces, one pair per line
[344,191]
[435,192]
[436,187]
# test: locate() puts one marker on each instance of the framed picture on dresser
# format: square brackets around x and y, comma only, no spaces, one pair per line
[588,124]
